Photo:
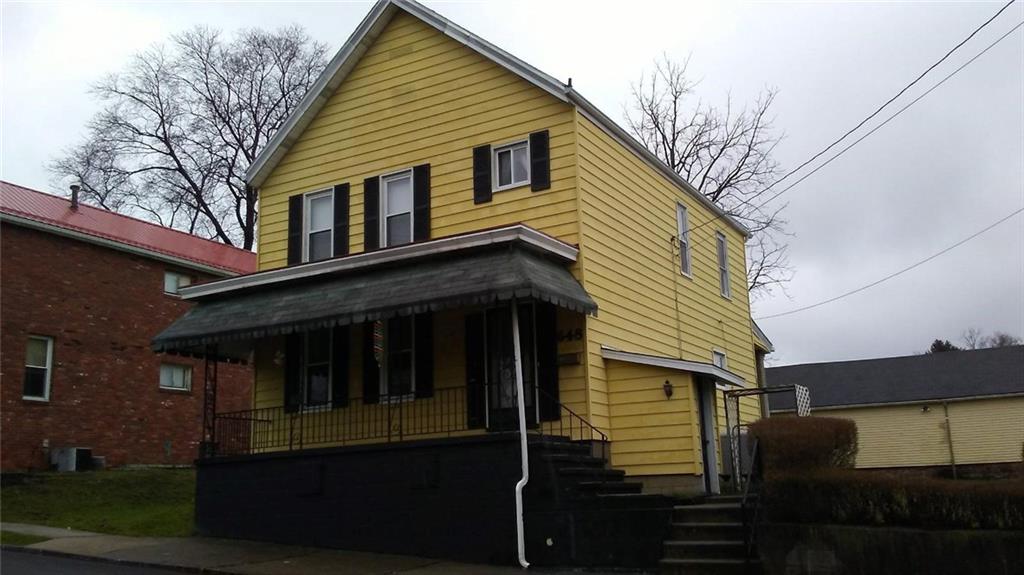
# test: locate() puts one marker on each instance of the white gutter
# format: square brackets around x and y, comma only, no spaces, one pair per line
[672,363]
[114,244]
[517,232]
[524,454]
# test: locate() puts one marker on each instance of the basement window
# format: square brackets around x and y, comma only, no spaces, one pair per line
[511,165]
[38,367]
[176,377]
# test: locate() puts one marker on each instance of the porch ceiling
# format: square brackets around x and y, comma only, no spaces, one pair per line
[429,284]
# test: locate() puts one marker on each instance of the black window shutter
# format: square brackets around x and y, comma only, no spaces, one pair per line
[421,203]
[371,214]
[481,174]
[341,201]
[547,360]
[339,365]
[371,371]
[540,161]
[423,350]
[476,397]
[295,229]
[292,372]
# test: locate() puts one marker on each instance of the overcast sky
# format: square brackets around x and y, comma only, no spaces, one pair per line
[945,168]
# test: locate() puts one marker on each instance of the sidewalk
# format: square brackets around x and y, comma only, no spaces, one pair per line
[227,556]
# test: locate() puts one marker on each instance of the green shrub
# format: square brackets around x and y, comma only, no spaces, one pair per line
[805,443]
[871,498]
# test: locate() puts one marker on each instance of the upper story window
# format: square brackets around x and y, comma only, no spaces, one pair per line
[318,232]
[511,165]
[719,359]
[175,376]
[38,367]
[396,207]
[316,368]
[683,233]
[174,281]
[722,247]
[397,379]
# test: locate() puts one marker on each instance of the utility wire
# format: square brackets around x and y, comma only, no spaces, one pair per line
[894,274]
[749,200]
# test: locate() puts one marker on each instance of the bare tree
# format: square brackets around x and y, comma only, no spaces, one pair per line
[1002,339]
[726,153]
[182,123]
[973,338]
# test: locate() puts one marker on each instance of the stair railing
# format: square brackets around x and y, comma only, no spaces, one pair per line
[578,427]
[750,503]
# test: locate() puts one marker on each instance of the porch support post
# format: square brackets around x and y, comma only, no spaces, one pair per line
[207,447]
[521,405]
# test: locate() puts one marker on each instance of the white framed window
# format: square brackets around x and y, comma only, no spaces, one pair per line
[174,281]
[38,368]
[316,368]
[396,209]
[176,376]
[398,374]
[318,226]
[511,165]
[719,359]
[722,247]
[683,234]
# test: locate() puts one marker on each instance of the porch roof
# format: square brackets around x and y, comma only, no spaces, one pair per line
[461,278]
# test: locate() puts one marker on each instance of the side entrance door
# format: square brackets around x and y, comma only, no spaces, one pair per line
[708,431]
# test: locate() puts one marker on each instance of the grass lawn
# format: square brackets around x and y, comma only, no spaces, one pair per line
[149,502]
[12,538]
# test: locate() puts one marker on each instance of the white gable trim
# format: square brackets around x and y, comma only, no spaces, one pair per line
[712,370]
[368,31]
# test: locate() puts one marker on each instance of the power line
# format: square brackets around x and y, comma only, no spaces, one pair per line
[895,274]
[749,200]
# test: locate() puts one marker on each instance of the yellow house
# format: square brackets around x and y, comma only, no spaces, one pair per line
[440,226]
[942,410]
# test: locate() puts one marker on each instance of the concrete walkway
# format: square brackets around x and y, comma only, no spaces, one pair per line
[207,555]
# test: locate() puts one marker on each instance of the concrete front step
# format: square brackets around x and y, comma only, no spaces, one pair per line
[728,549]
[710,567]
[574,460]
[609,487]
[593,473]
[708,513]
[707,531]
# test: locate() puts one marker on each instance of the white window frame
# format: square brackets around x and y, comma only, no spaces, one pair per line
[722,254]
[384,180]
[495,185]
[329,404]
[307,212]
[715,354]
[178,276]
[49,370]
[383,389]
[188,376]
[683,237]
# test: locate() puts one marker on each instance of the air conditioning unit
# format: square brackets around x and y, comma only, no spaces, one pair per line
[71,458]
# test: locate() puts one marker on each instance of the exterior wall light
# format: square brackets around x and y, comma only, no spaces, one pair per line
[667,388]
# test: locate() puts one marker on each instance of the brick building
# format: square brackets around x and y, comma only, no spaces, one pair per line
[82,293]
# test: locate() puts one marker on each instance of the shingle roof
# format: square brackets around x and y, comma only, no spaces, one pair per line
[937,376]
[477,276]
[28,204]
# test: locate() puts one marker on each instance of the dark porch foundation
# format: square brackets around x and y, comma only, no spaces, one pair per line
[446,498]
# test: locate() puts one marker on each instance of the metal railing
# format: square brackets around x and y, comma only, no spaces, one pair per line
[390,419]
[750,503]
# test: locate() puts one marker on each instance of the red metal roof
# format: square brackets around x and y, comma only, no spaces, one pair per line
[56,211]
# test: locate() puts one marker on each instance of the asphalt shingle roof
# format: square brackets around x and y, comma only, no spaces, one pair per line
[455,280]
[938,376]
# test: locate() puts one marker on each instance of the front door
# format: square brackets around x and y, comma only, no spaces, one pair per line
[706,393]
[502,409]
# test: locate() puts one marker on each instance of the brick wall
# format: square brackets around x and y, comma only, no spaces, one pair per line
[101,306]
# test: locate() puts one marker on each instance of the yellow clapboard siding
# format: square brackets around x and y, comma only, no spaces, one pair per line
[983,431]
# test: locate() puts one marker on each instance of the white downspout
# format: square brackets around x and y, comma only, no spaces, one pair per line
[521,403]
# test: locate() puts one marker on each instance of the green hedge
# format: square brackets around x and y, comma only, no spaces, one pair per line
[805,443]
[872,498]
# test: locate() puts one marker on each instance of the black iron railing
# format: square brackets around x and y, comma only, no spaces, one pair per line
[447,413]
[750,503]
